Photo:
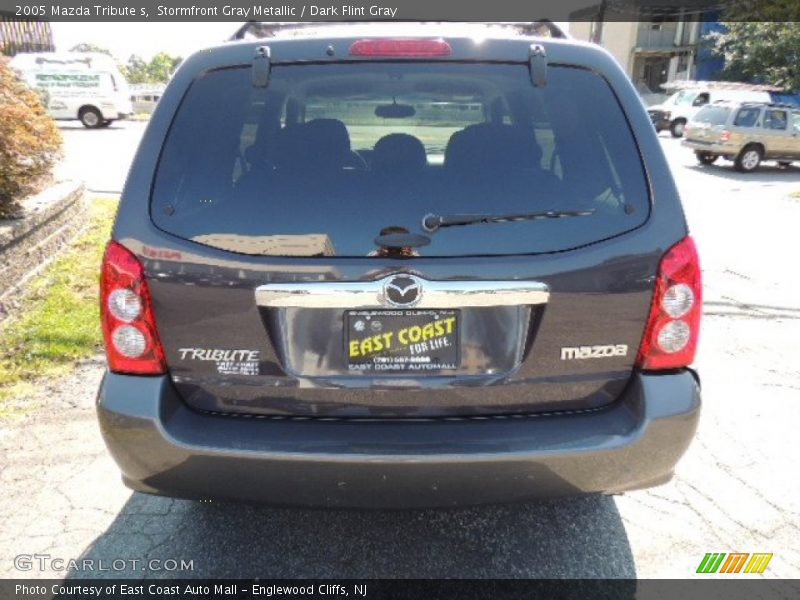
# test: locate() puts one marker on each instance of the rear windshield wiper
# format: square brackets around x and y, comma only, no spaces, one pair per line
[432,222]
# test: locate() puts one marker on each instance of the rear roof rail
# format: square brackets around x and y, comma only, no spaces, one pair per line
[691,84]
[262,29]
[769,104]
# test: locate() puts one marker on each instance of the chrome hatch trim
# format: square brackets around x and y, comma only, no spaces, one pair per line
[370,294]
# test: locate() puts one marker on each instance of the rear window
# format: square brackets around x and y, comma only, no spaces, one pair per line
[328,158]
[713,115]
[775,119]
[747,117]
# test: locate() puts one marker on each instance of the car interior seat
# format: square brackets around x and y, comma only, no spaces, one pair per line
[398,153]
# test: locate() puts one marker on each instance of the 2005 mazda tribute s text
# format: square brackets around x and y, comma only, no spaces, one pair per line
[423,266]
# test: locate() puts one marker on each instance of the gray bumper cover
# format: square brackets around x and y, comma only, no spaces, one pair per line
[163,447]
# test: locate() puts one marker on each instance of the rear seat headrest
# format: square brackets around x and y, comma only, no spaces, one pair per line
[398,152]
[490,146]
[330,136]
[317,144]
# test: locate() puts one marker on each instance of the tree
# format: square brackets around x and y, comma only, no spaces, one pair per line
[85,47]
[30,142]
[158,70]
[135,71]
[762,10]
[766,52]
[162,66]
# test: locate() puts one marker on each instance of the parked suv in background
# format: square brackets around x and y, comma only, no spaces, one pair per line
[681,107]
[745,133]
[399,265]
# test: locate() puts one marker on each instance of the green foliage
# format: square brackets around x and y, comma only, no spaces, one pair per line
[158,70]
[84,47]
[30,142]
[137,70]
[60,321]
[765,52]
[762,10]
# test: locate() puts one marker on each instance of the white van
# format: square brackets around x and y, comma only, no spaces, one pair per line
[682,106]
[77,85]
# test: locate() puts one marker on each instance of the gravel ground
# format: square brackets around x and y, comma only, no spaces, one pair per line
[63,498]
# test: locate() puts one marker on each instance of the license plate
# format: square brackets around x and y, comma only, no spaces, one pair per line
[416,341]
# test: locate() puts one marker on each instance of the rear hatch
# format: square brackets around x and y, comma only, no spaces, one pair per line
[324,257]
[708,125]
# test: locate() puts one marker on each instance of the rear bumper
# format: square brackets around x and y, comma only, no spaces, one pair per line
[711,147]
[163,447]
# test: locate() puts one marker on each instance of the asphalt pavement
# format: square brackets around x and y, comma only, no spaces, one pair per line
[736,489]
[99,157]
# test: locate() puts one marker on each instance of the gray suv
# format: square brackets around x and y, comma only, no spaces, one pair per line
[399,267]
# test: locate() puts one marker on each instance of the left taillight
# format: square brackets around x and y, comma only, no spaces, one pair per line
[673,327]
[129,328]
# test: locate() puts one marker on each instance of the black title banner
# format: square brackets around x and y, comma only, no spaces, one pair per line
[389,589]
[396,10]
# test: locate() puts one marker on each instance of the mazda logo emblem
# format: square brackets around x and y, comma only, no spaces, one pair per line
[402,291]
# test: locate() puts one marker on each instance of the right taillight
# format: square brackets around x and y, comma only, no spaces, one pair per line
[670,337]
[129,328]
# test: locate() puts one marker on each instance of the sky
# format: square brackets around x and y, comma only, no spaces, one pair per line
[146,39]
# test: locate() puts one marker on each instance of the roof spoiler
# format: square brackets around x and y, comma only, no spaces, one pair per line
[261,29]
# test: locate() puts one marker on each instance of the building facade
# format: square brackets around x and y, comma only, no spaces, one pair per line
[24,36]
[653,52]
